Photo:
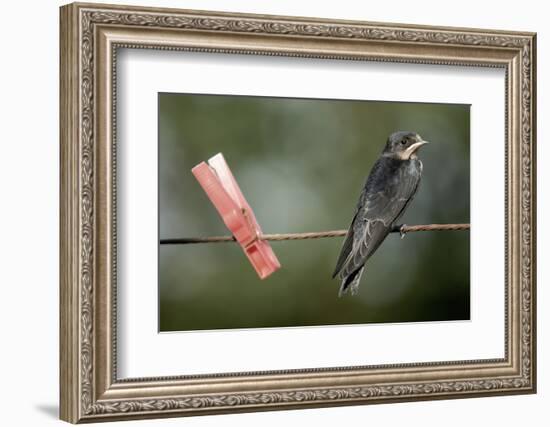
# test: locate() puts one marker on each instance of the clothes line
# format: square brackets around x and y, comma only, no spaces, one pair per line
[402,229]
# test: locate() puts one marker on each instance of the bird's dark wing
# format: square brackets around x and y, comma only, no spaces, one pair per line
[377,211]
[347,246]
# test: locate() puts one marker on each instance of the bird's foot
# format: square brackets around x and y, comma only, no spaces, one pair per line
[402,231]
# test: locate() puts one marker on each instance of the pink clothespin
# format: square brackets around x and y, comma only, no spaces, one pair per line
[223,191]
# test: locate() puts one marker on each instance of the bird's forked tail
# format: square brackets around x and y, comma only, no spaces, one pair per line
[351,282]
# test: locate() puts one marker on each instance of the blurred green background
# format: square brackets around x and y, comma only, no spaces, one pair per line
[301,164]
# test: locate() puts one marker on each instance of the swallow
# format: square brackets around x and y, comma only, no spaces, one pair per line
[391,185]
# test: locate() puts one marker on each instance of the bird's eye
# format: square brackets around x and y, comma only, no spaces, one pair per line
[403,141]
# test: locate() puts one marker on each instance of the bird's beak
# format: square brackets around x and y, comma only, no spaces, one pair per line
[413,148]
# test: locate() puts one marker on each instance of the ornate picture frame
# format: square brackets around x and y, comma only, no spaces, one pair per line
[90,37]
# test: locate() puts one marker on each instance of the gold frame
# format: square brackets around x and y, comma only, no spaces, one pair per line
[90,36]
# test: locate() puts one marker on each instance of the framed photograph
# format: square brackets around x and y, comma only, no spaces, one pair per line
[265,212]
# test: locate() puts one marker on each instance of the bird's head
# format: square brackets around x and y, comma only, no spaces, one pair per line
[403,145]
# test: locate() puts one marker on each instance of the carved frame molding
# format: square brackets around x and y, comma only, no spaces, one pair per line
[90,37]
